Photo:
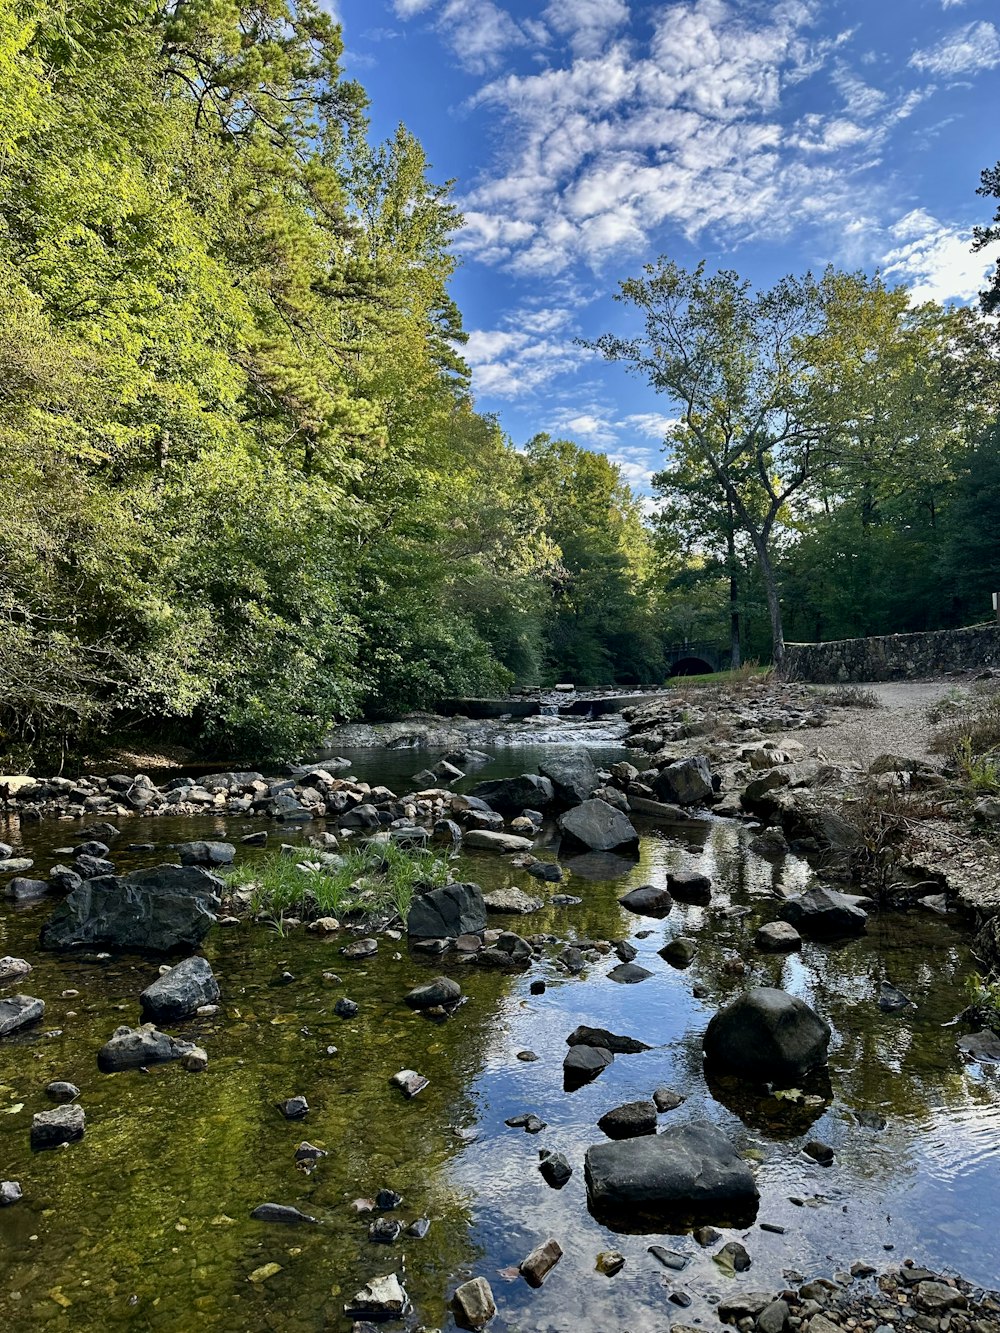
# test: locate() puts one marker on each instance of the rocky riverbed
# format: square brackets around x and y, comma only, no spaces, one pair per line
[334,1103]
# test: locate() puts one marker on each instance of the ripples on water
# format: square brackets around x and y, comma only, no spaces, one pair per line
[154,1203]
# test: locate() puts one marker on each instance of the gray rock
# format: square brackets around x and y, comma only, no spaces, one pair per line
[409,1082]
[64,880]
[10,1192]
[981,1046]
[488,840]
[610,1262]
[536,1266]
[555,1169]
[819,1152]
[629,974]
[671,1259]
[206,853]
[598,827]
[512,901]
[685,782]
[346,1008]
[473,1305]
[688,1173]
[629,1120]
[280,1212]
[733,1257]
[583,1064]
[155,911]
[294,1108]
[455,909]
[825,914]
[689,886]
[133,1048]
[13,968]
[15,865]
[545,870]
[778,937]
[63,1124]
[766,1035]
[512,795]
[25,890]
[381,1298]
[773,1318]
[573,774]
[891,998]
[510,950]
[648,901]
[180,992]
[610,1041]
[90,867]
[19,1011]
[679,952]
[665,1099]
[62,1092]
[440,991]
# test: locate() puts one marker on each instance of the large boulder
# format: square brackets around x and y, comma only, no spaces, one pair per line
[512,795]
[824,914]
[688,1174]
[685,782]
[160,910]
[455,909]
[766,1035]
[598,827]
[573,774]
[648,900]
[180,992]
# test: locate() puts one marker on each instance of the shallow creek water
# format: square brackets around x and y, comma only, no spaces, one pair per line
[145,1223]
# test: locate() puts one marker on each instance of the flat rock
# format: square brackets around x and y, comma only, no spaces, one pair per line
[512,901]
[648,901]
[19,1011]
[180,992]
[409,1082]
[381,1298]
[611,1041]
[24,890]
[981,1046]
[63,1124]
[597,826]
[489,840]
[629,974]
[689,1173]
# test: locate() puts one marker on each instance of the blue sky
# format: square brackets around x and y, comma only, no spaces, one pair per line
[587,137]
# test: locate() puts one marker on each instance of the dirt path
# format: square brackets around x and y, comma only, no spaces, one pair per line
[899,727]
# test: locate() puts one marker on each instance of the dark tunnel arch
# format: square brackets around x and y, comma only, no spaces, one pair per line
[692,666]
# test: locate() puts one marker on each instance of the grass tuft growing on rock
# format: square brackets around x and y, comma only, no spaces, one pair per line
[371,880]
[852,696]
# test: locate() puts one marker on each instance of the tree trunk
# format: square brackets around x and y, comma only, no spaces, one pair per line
[773,601]
[734,591]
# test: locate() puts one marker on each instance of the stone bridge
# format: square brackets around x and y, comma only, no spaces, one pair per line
[699,658]
[894,656]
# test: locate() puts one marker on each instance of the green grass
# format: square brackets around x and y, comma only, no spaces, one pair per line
[371,879]
[751,671]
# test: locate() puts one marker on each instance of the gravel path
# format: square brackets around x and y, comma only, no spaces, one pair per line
[900,726]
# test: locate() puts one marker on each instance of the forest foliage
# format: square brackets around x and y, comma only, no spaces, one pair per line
[244,488]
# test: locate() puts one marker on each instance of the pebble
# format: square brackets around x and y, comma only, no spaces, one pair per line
[295,1108]
[540,1262]
[409,1082]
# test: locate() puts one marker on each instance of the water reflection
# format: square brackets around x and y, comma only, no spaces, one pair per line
[154,1203]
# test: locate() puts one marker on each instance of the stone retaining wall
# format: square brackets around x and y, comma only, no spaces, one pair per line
[894,656]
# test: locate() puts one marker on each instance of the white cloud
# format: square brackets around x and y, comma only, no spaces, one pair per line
[478,31]
[587,24]
[615,144]
[951,4]
[935,261]
[534,347]
[965,51]
[653,425]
